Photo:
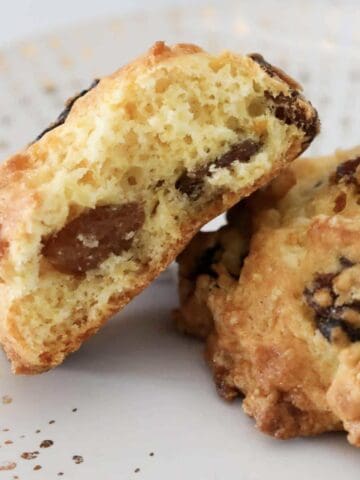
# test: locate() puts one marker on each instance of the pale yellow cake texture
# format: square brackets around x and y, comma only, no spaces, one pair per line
[279,305]
[127,142]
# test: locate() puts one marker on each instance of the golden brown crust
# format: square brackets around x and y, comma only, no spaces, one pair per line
[286,333]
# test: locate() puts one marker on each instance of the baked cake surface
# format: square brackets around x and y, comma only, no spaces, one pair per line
[276,295]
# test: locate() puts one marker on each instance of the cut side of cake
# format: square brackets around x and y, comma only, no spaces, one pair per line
[107,196]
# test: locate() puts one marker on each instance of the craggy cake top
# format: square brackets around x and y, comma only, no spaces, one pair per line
[278,299]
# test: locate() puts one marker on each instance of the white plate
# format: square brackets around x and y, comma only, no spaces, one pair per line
[138,386]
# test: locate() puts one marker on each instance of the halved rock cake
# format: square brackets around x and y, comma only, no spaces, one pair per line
[109,194]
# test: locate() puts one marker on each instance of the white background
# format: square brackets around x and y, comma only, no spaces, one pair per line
[19,18]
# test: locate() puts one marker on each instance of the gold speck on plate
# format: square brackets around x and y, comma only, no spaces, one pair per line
[49,86]
[241,27]
[28,50]
[54,42]
[66,61]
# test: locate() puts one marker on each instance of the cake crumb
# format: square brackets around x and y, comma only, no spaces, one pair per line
[66,62]
[46,443]
[78,459]
[49,87]
[37,467]
[6,399]
[8,442]
[6,466]
[29,455]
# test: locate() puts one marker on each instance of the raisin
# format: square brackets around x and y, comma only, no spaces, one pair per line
[345,262]
[340,203]
[191,183]
[90,238]
[326,326]
[331,316]
[68,106]
[324,280]
[288,109]
[242,152]
[346,172]
[274,71]
[352,332]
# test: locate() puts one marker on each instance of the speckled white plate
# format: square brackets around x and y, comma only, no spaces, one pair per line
[137,401]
